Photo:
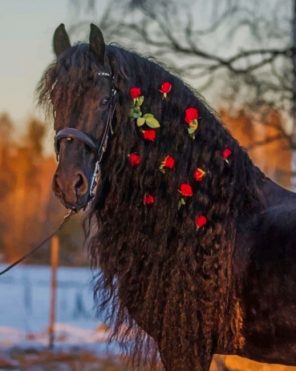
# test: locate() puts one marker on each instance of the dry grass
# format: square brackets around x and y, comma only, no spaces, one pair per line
[82,360]
[235,363]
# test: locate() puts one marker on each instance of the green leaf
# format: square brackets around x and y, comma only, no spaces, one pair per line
[137,114]
[152,122]
[162,169]
[140,121]
[192,135]
[181,203]
[139,101]
[133,113]
[148,115]
[191,130]
[194,124]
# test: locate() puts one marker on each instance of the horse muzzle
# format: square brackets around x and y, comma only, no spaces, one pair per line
[72,190]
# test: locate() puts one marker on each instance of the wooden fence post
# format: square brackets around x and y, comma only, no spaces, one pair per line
[53,294]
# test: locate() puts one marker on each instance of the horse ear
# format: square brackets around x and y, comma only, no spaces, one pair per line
[61,41]
[96,43]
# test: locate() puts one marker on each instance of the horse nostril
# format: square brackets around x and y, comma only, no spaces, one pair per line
[56,185]
[80,184]
[79,181]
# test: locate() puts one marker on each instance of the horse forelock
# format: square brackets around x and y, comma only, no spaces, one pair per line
[64,82]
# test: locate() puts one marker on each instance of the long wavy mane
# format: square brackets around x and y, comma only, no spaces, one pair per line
[158,273]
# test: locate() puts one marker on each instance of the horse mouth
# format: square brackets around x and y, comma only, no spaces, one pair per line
[75,204]
[73,191]
[80,204]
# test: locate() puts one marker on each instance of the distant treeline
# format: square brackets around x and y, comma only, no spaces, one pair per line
[28,209]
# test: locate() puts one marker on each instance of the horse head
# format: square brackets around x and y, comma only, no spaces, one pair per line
[83,100]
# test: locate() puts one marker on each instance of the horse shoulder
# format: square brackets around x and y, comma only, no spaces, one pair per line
[268,285]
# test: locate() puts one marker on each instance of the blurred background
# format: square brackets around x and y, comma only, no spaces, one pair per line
[240,56]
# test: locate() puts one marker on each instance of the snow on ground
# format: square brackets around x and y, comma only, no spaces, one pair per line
[24,308]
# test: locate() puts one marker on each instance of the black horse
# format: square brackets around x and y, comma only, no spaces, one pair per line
[195,245]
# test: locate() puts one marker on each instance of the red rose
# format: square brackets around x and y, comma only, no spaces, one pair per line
[166,87]
[169,162]
[226,153]
[200,221]
[149,135]
[199,174]
[134,159]
[191,114]
[148,199]
[185,190]
[135,92]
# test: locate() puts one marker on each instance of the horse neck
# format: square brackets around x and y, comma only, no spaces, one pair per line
[212,137]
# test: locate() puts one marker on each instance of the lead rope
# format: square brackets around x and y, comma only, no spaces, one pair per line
[93,184]
[31,252]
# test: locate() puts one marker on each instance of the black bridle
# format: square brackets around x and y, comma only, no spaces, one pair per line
[98,149]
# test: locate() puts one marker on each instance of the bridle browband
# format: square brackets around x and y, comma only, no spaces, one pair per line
[99,149]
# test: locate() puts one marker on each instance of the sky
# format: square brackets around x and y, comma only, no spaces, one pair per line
[26,29]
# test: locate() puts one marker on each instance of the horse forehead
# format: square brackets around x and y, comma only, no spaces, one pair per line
[80,108]
[85,121]
[83,108]
[88,76]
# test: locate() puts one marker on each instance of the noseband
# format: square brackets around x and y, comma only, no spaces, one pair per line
[99,149]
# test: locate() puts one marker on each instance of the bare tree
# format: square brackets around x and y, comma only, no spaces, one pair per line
[238,53]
